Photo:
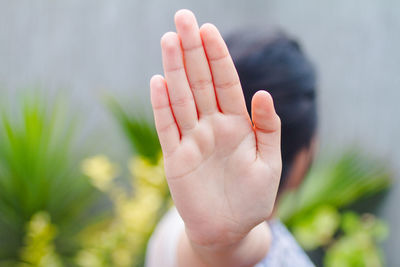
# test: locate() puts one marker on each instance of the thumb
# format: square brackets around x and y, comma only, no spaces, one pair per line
[267,127]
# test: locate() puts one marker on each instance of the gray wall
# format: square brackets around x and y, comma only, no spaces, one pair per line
[86,49]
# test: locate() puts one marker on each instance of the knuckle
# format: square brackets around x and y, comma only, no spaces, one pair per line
[186,125]
[193,48]
[227,85]
[166,127]
[222,55]
[161,106]
[174,70]
[182,101]
[201,84]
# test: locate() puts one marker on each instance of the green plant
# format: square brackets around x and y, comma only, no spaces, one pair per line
[358,246]
[121,242]
[38,173]
[140,132]
[314,213]
[337,182]
[137,205]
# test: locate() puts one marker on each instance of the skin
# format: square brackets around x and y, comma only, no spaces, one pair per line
[301,165]
[222,168]
[258,242]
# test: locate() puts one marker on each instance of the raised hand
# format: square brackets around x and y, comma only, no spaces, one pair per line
[222,168]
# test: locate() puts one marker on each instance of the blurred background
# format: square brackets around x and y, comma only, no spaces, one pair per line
[85,51]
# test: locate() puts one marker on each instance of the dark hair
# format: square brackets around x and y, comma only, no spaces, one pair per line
[272,61]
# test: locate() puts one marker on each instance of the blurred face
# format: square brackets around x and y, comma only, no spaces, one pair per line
[301,165]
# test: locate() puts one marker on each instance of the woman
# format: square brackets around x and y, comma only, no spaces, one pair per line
[224,168]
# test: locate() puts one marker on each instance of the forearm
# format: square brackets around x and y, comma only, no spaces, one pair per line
[246,253]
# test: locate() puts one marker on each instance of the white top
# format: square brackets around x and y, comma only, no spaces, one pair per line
[161,250]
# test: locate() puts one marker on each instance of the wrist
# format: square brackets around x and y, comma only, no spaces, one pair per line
[243,252]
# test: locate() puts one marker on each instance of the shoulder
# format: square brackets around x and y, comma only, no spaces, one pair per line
[284,250]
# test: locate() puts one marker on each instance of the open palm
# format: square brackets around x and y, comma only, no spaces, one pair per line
[223,168]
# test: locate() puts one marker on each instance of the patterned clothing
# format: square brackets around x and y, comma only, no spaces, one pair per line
[284,250]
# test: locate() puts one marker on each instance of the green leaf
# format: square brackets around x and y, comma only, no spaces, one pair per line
[139,130]
[39,172]
[316,228]
[339,183]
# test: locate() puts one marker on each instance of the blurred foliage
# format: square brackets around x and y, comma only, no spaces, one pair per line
[317,227]
[138,129]
[338,182]
[122,240]
[49,210]
[358,245]
[138,206]
[37,175]
[39,249]
[317,213]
